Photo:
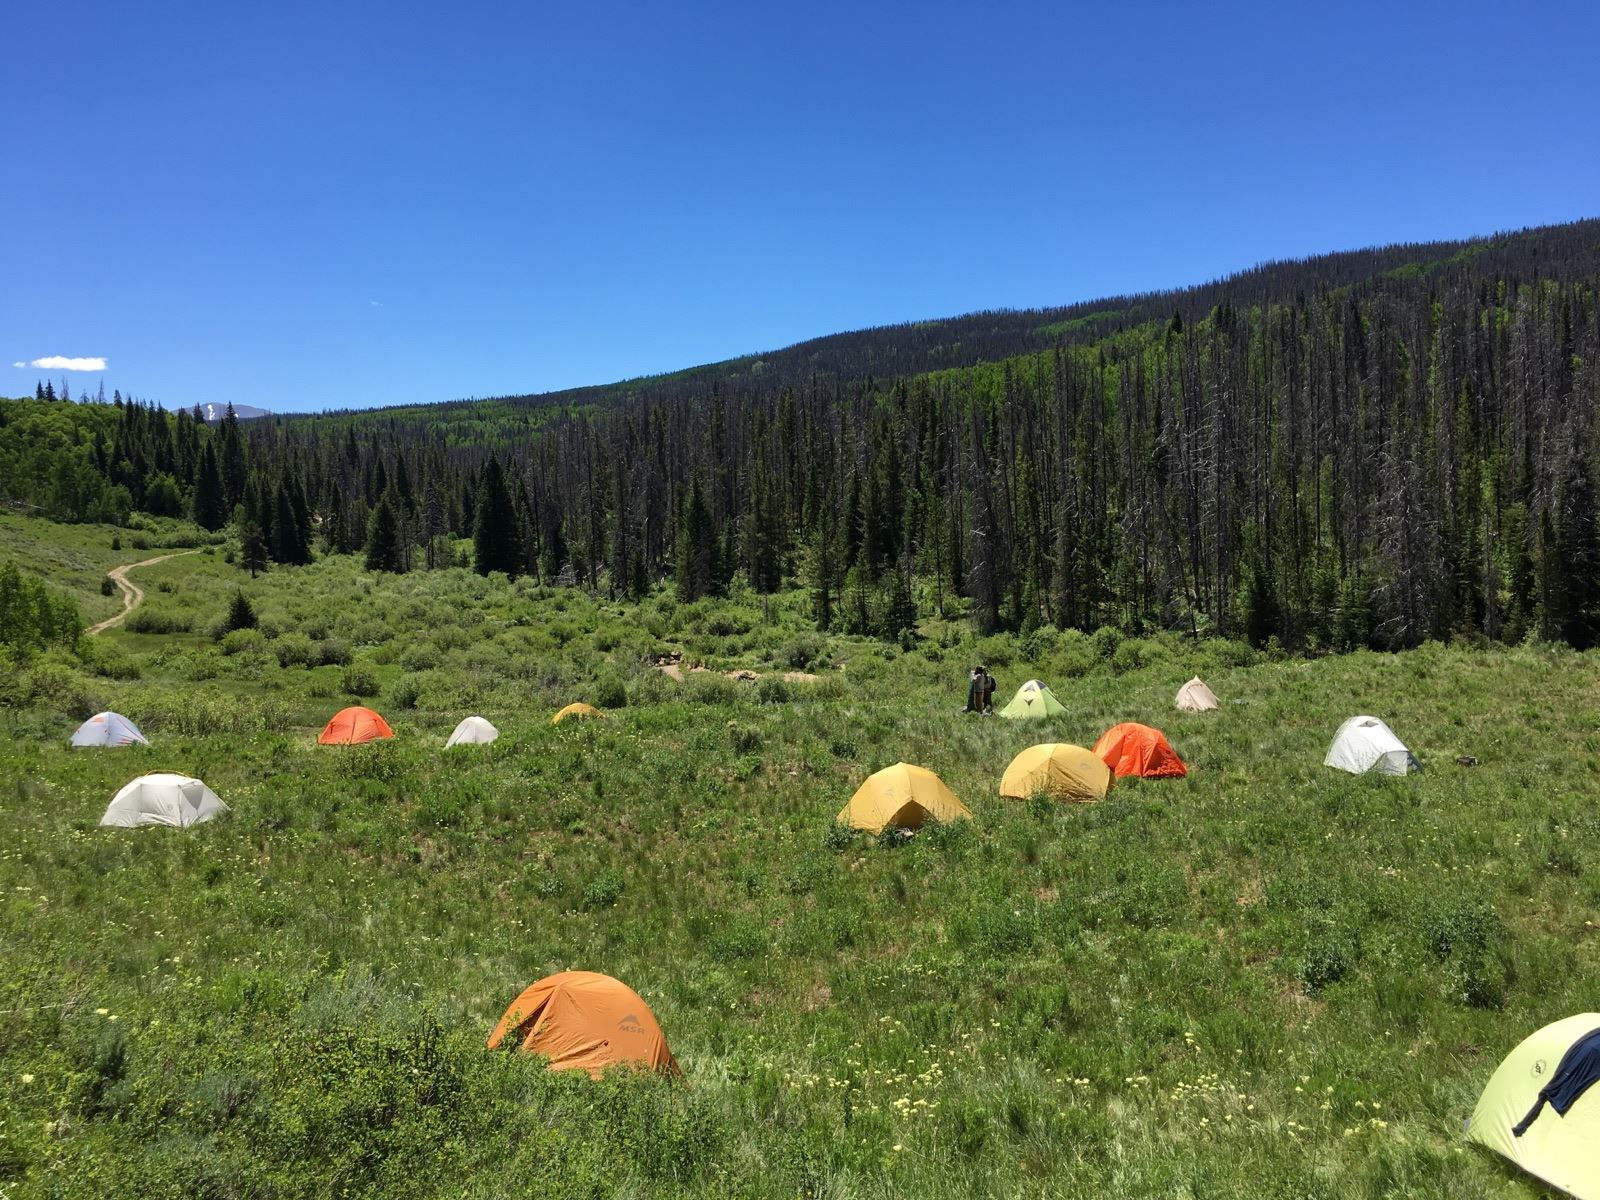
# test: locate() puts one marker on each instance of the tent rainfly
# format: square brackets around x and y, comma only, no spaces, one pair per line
[1065,771]
[1366,744]
[473,731]
[108,729]
[581,1020]
[1541,1108]
[1195,696]
[1135,749]
[576,710]
[354,725]
[163,799]
[901,797]
[1033,699]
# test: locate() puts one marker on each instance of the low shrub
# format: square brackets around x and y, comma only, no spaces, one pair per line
[409,690]
[146,620]
[294,650]
[333,652]
[603,890]
[803,650]
[609,691]
[358,681]
[998,650]
[243,641]
[711,688]
[420,657]
[1104,641]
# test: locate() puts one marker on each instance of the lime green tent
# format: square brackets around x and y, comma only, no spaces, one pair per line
[1033,699]
[1540,1111]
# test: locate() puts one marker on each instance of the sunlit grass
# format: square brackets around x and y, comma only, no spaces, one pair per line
[1267,978]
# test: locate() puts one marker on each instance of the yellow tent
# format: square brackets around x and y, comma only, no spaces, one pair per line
[576,710]
[1539,1110]
[1067,772]
[901,796]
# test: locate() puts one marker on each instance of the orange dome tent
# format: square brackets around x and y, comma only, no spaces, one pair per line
[352,726]
[576,710]
[585,1021]
[1134,749]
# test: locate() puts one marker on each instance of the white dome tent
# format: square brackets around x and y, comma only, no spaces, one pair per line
[473,731]
[1195,696]
[1366,744]
[163,799]
[108,729]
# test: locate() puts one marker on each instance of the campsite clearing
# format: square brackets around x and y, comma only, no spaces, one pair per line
[1266,977]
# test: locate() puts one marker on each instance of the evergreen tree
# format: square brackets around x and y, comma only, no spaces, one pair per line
[384,552]
[210,501]
[697,547]
[823,571]
[433,522]
[253,554]
[302,517]
[233,465]
[288,544]
[554,558]
[900,605]
[241,613]
[496,545]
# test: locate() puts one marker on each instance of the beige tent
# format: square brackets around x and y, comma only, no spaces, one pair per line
[901,797]
[1065,771]
[1195,696]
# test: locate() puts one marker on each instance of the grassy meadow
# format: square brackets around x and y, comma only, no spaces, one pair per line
[1267,979]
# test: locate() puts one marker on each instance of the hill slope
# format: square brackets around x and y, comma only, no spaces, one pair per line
[1374,448]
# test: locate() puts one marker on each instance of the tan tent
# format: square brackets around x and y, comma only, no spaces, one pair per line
[584,1021]
[901,797]
[1195,696]
[1065,771]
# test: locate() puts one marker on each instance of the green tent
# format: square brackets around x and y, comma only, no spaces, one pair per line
[1033,699]
[1540,1110]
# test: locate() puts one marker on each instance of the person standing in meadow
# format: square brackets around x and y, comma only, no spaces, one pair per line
[980,690]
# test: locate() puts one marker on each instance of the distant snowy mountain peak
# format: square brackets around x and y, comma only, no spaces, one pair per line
[215,412]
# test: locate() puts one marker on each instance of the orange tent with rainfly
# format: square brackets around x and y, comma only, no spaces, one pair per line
[1060,769]
[581,1020]
[901,797]
[352,726]
[1134,749]
[576,710]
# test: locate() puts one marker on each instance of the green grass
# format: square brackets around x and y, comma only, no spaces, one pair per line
[75,558]
[1266,979]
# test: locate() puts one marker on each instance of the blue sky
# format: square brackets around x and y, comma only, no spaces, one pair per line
[302,206]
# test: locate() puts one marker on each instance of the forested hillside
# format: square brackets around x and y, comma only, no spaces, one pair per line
[1368,448]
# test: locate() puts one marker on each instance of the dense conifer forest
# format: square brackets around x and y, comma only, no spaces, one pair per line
[1371,448]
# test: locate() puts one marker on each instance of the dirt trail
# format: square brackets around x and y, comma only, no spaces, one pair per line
[132,593]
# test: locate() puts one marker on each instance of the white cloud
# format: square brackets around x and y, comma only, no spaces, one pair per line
[375,303]
[60,362]
[19,364]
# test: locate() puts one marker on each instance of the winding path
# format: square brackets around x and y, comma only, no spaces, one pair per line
[132,593]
